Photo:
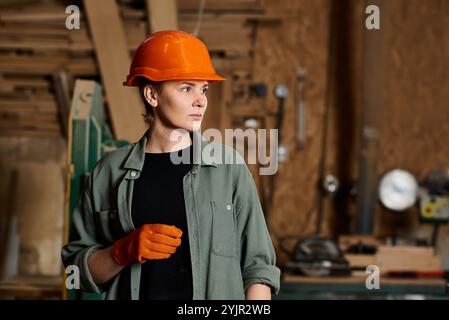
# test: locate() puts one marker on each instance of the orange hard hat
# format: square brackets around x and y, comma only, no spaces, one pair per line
[171,55]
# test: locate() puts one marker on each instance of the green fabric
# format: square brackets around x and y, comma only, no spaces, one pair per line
[229,242]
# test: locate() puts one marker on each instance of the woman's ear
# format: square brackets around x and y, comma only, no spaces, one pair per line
[150,95]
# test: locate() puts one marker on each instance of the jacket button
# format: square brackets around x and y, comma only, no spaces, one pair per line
[133,173]
[228,207]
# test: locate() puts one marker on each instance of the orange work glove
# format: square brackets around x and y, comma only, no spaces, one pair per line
[150,241]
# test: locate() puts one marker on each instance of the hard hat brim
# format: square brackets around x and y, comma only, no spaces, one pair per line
[132,81]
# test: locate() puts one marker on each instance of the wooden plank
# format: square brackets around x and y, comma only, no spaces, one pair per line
[39,13]
[40,117]
[125,107]
[27,29]
[16,3]
[223,5]
[28,106]
[401,249]
[26,125]
[29,123]
[162,15]
[58,17]
[28,116]
[63,86]
[237,40]
[30,133]
[44,44]
[24,32]
[407,262]
[407,258]
[32,287]
[12,84]
[40,242]
[361,261]
[35,65]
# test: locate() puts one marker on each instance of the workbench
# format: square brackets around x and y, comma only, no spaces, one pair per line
[353,287]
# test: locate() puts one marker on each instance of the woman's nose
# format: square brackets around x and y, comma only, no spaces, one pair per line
[200,100]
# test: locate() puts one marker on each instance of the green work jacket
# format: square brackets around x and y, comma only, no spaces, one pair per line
[229,242]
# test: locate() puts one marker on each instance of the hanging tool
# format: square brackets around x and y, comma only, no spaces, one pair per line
[281,92]
[301,76]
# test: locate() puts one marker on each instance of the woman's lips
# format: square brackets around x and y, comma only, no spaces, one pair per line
[196,116]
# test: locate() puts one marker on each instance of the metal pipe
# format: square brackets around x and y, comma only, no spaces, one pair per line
[371,127]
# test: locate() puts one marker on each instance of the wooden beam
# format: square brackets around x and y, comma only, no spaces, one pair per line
[162,15]
[125,107]
[223,5]
[63,87]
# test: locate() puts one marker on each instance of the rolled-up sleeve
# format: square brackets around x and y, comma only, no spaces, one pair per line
[258,258]
[82,239]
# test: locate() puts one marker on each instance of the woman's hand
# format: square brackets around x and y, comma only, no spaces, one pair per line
[149,242]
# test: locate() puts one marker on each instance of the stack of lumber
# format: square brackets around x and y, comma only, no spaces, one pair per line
[407,259]
[36,46]
[390,259]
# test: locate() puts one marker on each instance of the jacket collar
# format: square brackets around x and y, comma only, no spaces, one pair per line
[136,157]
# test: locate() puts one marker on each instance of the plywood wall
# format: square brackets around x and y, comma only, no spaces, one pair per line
[415,118]
[280,50]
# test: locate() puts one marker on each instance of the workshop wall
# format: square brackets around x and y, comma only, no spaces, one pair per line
[415,114]
[280,51]
[416,94]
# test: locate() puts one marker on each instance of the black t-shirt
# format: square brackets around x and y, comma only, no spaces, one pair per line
[158,197]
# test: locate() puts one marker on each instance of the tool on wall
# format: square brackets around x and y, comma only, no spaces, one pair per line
[281,92]
[314,255]
[301,77]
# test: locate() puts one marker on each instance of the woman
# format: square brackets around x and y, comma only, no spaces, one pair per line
[149,227]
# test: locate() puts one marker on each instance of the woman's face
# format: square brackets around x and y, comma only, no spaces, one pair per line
[181,104]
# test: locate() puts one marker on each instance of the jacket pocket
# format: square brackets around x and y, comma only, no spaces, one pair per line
[223,229]
[105,223]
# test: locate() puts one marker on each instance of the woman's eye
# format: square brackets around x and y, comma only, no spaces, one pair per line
[186,89]
[205,90]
